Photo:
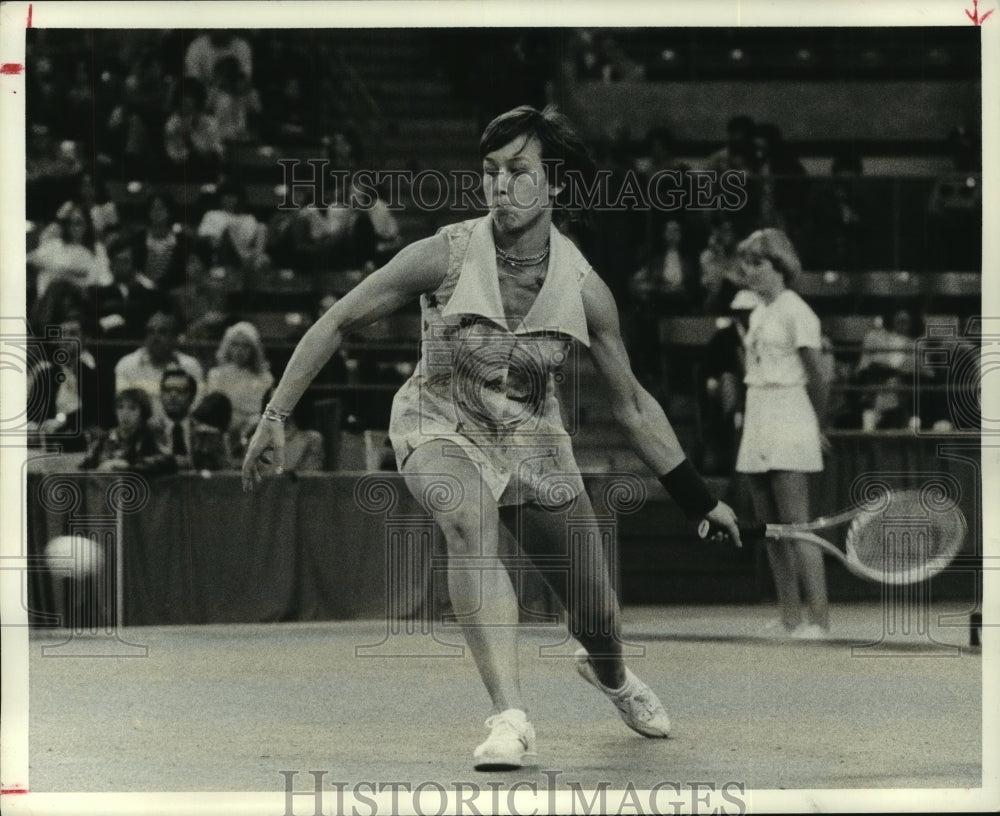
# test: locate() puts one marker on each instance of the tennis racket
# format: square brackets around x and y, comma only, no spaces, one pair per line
[898,537]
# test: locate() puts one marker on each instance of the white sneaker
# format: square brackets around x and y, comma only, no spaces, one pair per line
[810,631]
[777,629]
[511,743]
[635,701]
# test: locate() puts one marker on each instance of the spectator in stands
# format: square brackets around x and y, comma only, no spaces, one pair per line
[69,395]
[201,298]
[302,235]
[70,250]
[787,385]
[244,376]
[279,243]
[191,135]
[208,48]
[721,273]
[288,81]
[195,445]
[723,392]
[343,150]
[388,237]
[95,199]
[62,300]
[144,367]
[123,307]
[738,147]
[616,236]
[237,237]
[78,99]
[886,364]
[585,59]
[668,283]
[658,153]
[211,420]
[233,101]
[297,124]
[46,159]
[159,245]
[617,64]
[837,219]
[777,168]
[131,445]
[350,240]
[136,122]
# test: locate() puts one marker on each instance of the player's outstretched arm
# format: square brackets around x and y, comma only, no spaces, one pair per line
[418,268]
[649,431]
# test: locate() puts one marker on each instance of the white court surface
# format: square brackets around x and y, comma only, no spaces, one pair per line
[227,708]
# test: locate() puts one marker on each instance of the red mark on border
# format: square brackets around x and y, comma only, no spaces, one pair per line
[5,791]
[974,15]
[11,68]
[29,15]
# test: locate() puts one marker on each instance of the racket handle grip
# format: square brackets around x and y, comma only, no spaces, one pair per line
[748,532]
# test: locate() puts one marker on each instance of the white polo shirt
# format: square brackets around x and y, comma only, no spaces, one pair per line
[776,333]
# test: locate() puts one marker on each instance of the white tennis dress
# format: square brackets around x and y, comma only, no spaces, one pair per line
[489,389]
[780,429]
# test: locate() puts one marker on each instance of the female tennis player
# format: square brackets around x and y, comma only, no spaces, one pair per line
[501,298]
[787,389]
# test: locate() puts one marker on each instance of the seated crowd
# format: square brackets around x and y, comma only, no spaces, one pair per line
[126,282]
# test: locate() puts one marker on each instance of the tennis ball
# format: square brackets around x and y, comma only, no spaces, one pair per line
[80,555]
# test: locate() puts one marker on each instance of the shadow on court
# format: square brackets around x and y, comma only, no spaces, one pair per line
[228,708]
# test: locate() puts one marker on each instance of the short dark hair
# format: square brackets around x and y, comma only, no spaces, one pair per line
[178,373]
[740,122]
[164,314]
[139,398]
[562,146]
[215,409]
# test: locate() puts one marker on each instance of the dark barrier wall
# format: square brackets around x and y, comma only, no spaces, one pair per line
[199,550]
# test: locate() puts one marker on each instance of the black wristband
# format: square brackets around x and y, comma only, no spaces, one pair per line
[689,490]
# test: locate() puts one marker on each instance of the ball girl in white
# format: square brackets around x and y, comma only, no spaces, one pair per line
[787,388]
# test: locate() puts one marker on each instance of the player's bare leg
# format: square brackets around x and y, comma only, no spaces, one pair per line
[791,494]
[780,554]
[583,584]
[584,587]
[482,598]
[481,592]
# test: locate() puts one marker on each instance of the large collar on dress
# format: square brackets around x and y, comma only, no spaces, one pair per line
[558,306]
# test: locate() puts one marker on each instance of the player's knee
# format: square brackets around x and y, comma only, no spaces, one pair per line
[464,535]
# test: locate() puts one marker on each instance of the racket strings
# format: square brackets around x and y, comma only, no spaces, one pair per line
[907,541]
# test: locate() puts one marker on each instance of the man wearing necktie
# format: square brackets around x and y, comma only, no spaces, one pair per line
[177,394]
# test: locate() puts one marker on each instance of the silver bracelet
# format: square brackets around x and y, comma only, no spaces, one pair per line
[274,414]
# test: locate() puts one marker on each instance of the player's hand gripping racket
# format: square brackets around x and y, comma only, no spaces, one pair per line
[901,537]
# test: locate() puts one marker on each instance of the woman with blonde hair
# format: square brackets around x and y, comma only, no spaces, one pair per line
[243,375]
[782,442]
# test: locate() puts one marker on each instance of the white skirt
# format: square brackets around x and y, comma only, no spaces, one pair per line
[780,432]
